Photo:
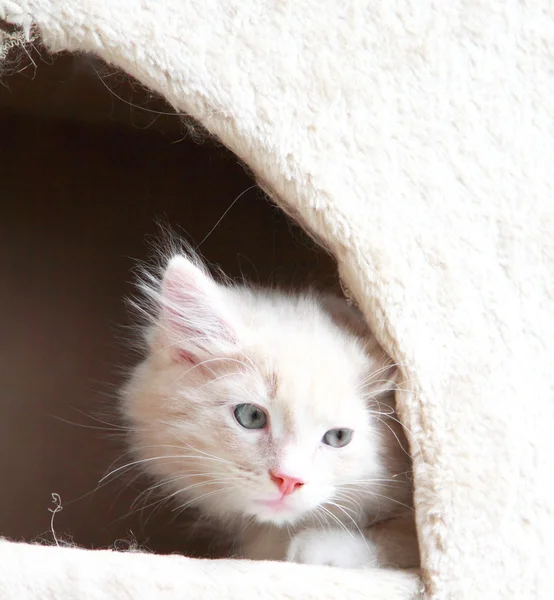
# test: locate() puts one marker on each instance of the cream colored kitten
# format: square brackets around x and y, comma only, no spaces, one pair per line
[273,414]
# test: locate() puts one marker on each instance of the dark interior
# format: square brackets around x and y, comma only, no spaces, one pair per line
[88,168]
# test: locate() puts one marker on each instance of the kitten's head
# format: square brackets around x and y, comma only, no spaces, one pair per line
[257,403]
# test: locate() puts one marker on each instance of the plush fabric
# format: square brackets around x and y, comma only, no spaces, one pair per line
[415,140]
[50,573]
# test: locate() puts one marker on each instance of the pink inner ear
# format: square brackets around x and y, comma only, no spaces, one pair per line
[185,356]
[191,312]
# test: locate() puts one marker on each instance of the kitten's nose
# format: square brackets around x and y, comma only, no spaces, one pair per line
[286,483]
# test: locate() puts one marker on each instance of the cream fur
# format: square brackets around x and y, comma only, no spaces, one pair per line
[415,139]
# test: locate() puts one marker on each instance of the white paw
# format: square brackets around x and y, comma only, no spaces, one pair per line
[333,547]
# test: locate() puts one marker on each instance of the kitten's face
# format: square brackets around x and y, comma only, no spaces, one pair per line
[255,406]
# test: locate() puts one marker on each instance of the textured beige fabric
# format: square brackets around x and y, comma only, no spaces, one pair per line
[415,140]
[50,573]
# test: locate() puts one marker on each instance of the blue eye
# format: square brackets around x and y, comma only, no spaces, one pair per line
[338,438]
[250,416]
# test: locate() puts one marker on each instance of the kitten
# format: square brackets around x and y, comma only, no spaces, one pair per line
[273,414]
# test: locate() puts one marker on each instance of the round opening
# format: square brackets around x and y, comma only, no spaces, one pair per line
[91,164]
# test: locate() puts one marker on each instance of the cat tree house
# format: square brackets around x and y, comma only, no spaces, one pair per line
[414,141]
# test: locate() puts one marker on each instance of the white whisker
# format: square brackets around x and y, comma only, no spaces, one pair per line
[337,520]
[155,458]
[344,510]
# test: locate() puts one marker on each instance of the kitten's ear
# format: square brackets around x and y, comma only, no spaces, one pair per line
[194,321]
[345,315]
[383,380]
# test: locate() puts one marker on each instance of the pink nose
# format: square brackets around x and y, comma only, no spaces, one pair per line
[285,483]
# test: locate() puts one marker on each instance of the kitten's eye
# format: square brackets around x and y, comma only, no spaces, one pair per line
[338,437]
[250,416]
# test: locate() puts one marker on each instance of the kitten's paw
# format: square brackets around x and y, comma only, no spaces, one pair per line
[335,547]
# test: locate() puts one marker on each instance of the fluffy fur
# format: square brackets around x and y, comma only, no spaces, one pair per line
[309,363]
